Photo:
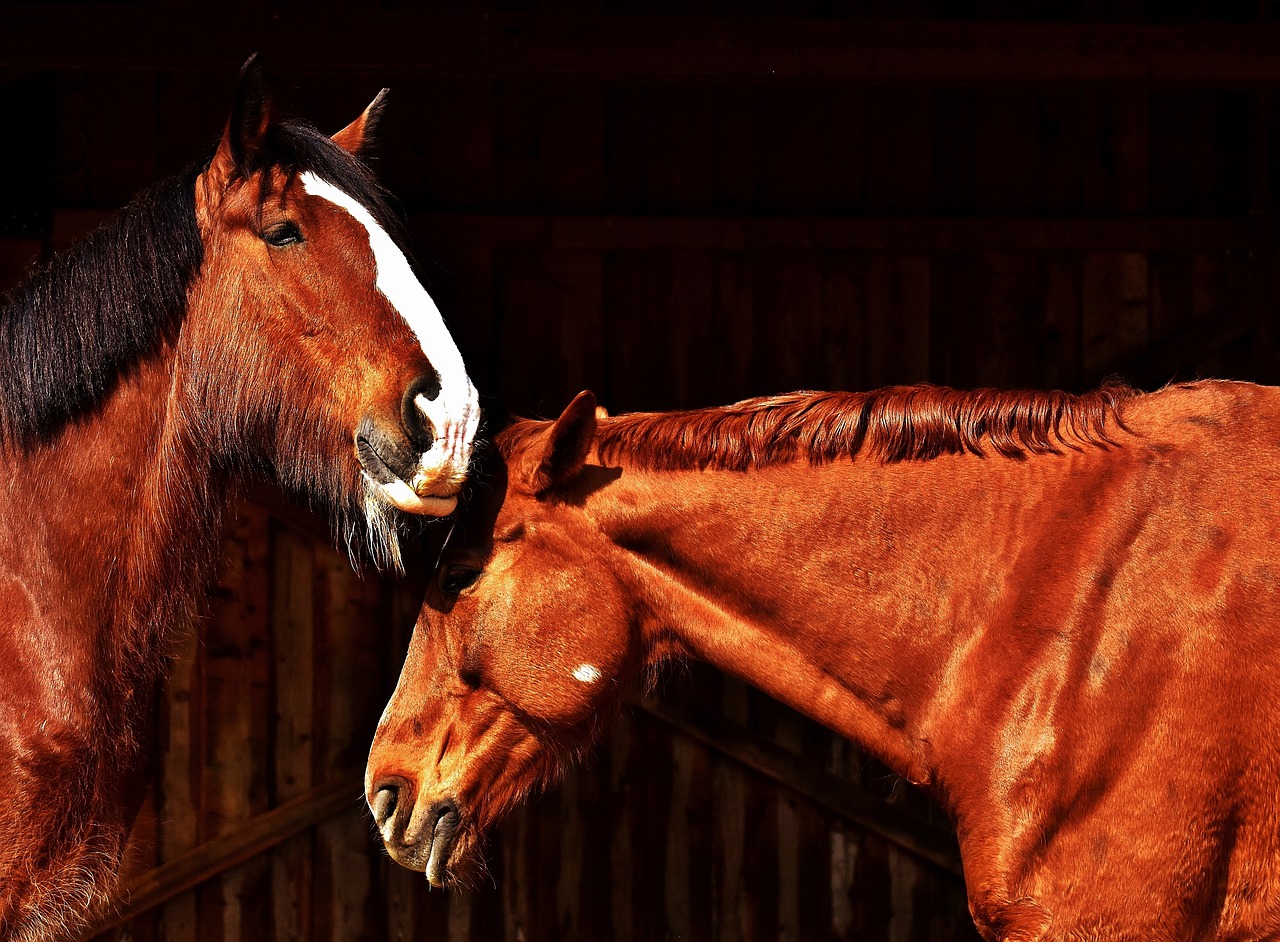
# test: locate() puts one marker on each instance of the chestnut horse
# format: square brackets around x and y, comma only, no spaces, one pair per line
[1059,615]
[256,315]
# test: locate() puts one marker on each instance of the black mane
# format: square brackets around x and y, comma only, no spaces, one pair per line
[75,325]
[80,322]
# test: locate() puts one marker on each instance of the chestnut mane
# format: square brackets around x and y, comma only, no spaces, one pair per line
[897,423]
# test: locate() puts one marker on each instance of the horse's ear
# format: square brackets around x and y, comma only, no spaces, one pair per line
[562,454]
[245,131]
[357,136]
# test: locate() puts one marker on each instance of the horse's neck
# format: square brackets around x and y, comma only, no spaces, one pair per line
[845,590]
[121,506]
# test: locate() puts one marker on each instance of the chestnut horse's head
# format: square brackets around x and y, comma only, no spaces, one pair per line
[526,644]
[309,342]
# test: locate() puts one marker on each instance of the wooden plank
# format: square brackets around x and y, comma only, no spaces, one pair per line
[235,738]
[517,878]
[787,735]
[953,335]
[626,904]
[816,785]
[595,888]
[733,325]
[397,42]
[899,314]
[843,762]
[788,308]
[346,713]
[729,830]
[1062,363]
[180,777]
[218,855]
[690,332]
[843,323]
[1009,305]
[677,866]
[574,822]
[632,342]
[292,634]
[1115,304]
[761,875]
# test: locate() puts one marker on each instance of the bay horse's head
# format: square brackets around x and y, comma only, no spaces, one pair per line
[526,644]
[310,343]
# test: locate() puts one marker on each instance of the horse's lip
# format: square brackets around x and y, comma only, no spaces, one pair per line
[444,835]
[378,468]
[372,461]
[442,490]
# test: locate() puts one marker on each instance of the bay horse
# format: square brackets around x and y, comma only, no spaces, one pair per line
[1057,614]
[254,316]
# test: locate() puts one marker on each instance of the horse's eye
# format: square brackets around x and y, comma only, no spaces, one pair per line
[457,578]
[282,234]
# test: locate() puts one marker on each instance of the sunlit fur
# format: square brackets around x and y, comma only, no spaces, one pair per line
[143,376]
[1059,615]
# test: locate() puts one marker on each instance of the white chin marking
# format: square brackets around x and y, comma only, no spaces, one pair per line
[587,673]
[455,413]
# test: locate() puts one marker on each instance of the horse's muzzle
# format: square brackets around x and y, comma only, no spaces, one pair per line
[420,837]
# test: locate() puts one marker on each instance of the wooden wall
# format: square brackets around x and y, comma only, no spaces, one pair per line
[671,211]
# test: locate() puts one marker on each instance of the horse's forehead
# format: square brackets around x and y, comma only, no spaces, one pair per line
[317,189]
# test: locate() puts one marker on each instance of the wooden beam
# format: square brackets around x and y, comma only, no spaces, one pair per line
[828,791]
[896,234]
[210,859]
[168,37]
[902,234]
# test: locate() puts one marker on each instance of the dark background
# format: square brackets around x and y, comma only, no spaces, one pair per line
[673,204]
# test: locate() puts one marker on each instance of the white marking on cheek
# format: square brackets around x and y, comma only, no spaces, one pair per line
[455,413]
[587,673]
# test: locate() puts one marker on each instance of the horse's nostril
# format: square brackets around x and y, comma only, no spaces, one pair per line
[415,423]
[388,797]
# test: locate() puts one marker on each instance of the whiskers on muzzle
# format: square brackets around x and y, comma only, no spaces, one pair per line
[381,528]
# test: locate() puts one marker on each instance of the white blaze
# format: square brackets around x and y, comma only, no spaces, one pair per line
[454,415]
[587,673]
